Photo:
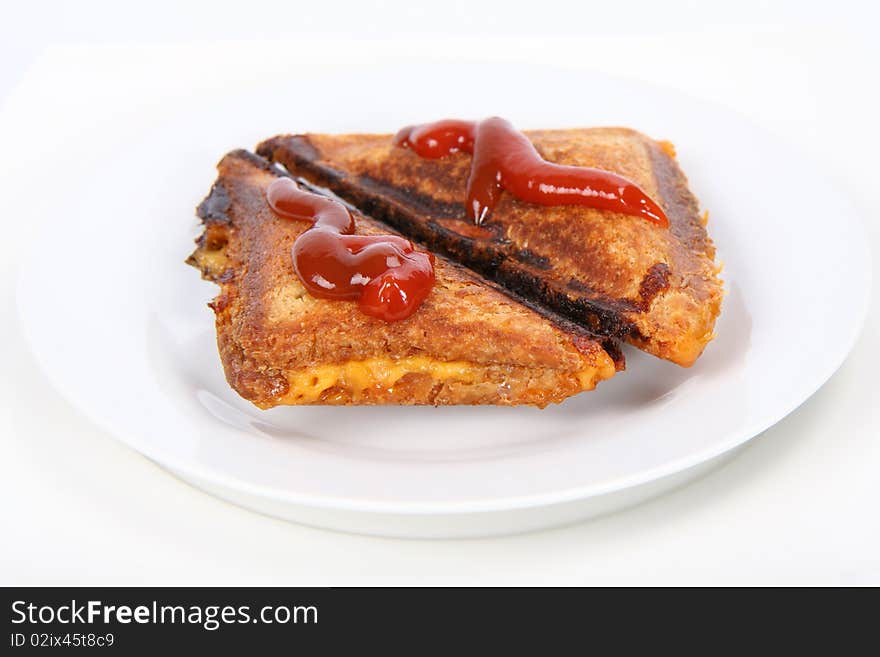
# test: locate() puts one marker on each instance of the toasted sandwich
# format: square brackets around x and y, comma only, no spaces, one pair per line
[616,275]
[469,342]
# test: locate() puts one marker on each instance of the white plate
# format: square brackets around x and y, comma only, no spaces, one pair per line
[136,351]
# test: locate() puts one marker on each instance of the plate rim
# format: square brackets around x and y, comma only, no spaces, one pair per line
[735,438]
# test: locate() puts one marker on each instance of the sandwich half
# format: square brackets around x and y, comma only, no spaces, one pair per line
[616,275]
[469,342]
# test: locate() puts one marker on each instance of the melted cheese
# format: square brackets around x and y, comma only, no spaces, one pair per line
[307,385]
[211,262]
[588,378]
[668,148]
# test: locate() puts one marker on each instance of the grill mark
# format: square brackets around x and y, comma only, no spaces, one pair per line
[215,207]
[531,258]
[654,282]
[422,203]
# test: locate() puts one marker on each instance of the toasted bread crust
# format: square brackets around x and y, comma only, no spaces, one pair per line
[468,343]
[620,276]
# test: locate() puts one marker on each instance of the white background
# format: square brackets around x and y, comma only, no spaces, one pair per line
[799,505]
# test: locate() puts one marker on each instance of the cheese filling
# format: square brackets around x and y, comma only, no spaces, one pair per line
[307,385]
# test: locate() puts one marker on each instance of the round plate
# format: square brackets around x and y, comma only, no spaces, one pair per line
[136,349]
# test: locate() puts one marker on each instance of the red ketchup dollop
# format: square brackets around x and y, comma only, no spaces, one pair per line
[384,273]
[504,158]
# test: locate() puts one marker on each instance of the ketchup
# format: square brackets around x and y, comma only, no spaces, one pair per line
[504,158]
[384,273]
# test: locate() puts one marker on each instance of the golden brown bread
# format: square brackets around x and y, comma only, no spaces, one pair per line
[469,343]
[619,275]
